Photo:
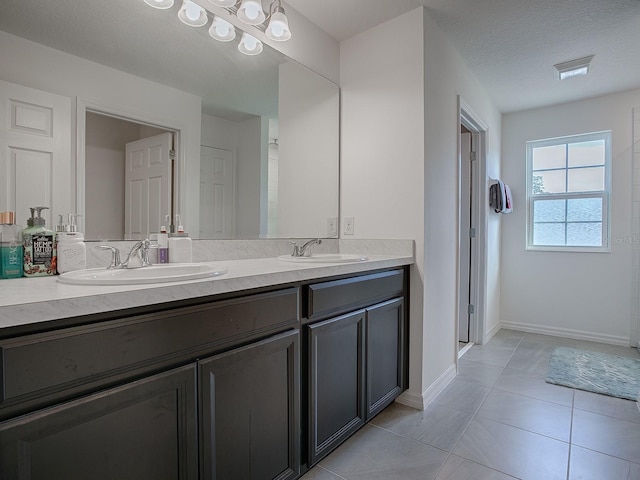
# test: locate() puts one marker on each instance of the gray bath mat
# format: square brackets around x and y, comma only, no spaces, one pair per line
[595,372]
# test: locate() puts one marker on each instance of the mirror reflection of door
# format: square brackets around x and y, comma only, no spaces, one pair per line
[148,185]
[217,197]
[105,154]
[35,152]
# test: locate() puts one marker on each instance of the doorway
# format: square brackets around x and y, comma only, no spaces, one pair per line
[106,136]
[467,224]
[471,228]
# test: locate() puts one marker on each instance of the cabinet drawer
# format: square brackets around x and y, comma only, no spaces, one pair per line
[339,296]
[41,364]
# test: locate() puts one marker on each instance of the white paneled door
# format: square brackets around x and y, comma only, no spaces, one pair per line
[148,168]
[217,182]
[35,152]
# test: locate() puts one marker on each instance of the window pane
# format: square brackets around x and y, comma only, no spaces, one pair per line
[549,211]
[586,153]
[553,181]
[584,210]
[584,234]
[586,179]
[549,157]
[548,234]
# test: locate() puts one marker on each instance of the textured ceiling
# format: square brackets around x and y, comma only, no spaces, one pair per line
[512,45]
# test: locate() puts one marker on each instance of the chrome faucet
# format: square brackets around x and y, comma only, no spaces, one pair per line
[304,250]
[139,249]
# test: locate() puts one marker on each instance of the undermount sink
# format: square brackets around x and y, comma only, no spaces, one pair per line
[168,272]
[325,258]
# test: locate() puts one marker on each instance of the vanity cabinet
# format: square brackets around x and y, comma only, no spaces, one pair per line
[143,430]
[250,411]
[208,391]
[254,385]
[336,350]
[356,361]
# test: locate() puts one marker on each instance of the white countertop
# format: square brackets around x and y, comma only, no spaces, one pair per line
[31,300]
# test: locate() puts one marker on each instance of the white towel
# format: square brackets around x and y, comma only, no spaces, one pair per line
[507,204]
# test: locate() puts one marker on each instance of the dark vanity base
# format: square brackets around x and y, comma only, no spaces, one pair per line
[258,386]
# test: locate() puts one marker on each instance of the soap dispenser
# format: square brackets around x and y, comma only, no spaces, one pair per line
[39,245]
[72,251]
[180,250]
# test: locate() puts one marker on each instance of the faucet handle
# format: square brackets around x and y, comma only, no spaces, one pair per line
[296,249]
[115,255]
[144,253]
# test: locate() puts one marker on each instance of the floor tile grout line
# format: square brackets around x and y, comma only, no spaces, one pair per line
[410,438]
[573,407]
[523,429]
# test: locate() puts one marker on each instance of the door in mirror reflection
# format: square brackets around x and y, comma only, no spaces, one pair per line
[148,185]
[217,180]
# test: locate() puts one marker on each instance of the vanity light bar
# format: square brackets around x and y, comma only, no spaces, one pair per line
[248,11]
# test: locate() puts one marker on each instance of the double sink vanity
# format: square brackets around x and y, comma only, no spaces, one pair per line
[257,370]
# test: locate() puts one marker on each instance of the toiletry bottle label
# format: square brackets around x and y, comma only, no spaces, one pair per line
[42,249]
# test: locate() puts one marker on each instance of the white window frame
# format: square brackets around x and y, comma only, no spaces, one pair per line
[603,194]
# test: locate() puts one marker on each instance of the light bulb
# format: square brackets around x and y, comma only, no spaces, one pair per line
[278,28]
[222,30]
[251,12]
[250,45]
[192,11]
[192,14]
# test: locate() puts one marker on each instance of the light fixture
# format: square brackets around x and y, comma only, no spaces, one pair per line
[573,68]
[251,13]
[192,14]
[275,25]
[161,4]
[278,28]
[249,45]
[222,30]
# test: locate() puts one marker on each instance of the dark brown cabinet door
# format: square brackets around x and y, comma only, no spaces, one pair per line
[336,382]
[144,430]
[385,327]
[250,410]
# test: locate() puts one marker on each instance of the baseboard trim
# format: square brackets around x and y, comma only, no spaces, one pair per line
[491,333]
[568,333]
[421,401]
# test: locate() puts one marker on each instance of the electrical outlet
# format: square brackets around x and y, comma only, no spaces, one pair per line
[348,226]
[332,227]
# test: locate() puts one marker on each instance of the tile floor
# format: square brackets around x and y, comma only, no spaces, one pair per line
[499,420]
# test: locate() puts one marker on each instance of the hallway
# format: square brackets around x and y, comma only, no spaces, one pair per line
[499,420]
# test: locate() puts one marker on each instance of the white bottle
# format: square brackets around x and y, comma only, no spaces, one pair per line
[72,252]
[180,250]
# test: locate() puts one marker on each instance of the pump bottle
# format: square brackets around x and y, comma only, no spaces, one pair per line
[39,245]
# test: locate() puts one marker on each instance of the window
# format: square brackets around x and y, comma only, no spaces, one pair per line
[568,184]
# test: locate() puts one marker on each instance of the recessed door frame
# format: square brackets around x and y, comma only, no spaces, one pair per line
[84,105]
[478,264]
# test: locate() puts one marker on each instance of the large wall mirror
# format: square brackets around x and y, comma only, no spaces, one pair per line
[255,138]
